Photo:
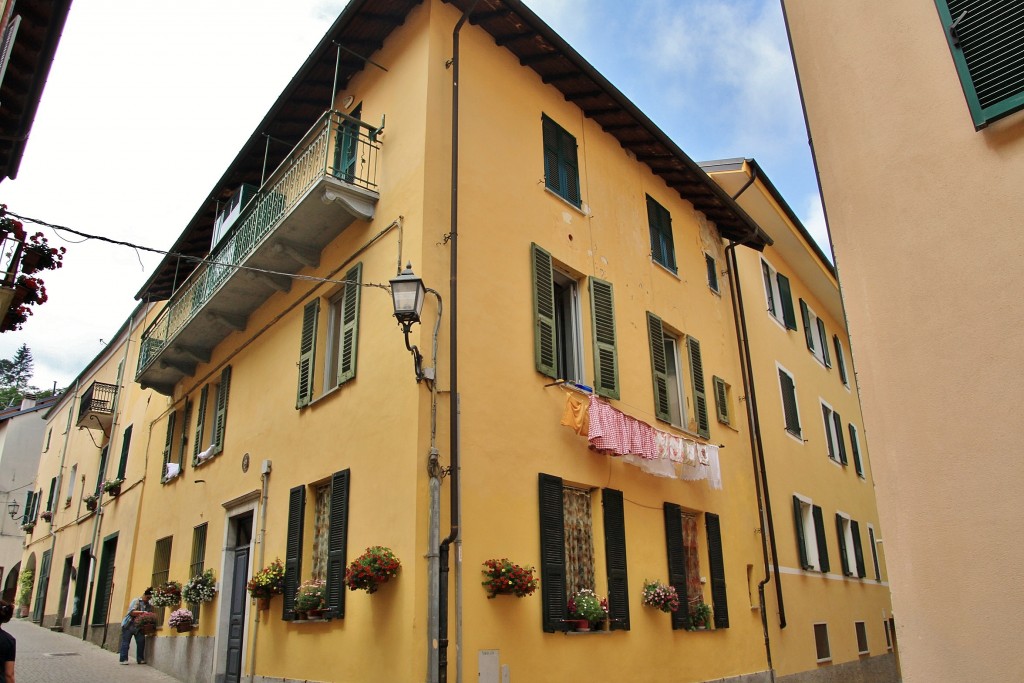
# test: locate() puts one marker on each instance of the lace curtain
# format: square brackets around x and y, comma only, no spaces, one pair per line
[694,591]
[579,541]
[321,526]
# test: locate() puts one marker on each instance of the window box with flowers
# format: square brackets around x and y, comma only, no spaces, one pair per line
[39,255]
[46,516]
[267,583]
[200,588]
[113,487]
[368,571]
[311,600]
[700,616]
[660,596]
[167,594]
[146,622]
[181,620]
[27,527]
[91,502]
[587,610]
[502,577]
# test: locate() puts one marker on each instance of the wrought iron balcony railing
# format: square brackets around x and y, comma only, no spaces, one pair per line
[96,408]
[337,152]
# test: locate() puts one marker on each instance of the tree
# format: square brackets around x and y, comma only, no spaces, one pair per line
[15,375]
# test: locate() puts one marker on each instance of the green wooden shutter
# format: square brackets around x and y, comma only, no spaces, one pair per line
[293,550]
[660,223]
[307,352]
[805,313]
[824,344]
[874,553]
[986,40]
[104,581]
[569,168]
[186,416]
[826,414]
[551,175]
[126,442]
[350,324]
[197,445]
[838,422]
[819,536]
[855,447]
[606,354]
[676,552]
[840,360]
[544,332]
[169,438]
[42,583]
[220,424]
[843,555]
[789,407]
[337,542]
[721,399]
[102,472]
[552,554]
[615,558]
[26,515]
[858,550]
[801,540]
[659,367]
[49,501]
[786,294]
[716,568]
[700,400]
[709,262]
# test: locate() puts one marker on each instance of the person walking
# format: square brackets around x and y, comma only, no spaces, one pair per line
[130,629]
[7,644]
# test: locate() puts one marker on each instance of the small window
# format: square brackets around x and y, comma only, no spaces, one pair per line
[850,549]
[561,170]
[814,332]
[558,339]
[862,638]
[888,635]
[855,447]
[790,411]
[669,353]
[834,434]
[211,418]
[778,296]
[662,248]
[337,347]
[824,654]
[810,535]
[723,400]
[709,262]
[321,527]
[71,485]
[874,552]
[840,360]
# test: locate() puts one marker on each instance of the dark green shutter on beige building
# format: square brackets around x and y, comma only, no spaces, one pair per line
[544,339]
[824,344]
[843,555]
[716,568]
[700,399]
[197,447]
[721,399]
[552,554]
[819,535]
[606,355]
[858,549]
[337,542]
[307,352]
[293,550]
[221,419]
[659,367]
[350,324]
[786,294]
[615,558]
[676,552]
[805,313]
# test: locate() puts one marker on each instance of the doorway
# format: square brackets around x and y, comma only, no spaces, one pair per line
[237,569]
[65,587]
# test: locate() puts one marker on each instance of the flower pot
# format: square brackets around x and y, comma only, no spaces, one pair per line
[300,615]
[316,613]
[184,627]
[582,625]
[113,491]
[262,603]
[90,505]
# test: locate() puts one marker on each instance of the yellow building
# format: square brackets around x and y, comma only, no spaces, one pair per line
[914,113]
[286,417]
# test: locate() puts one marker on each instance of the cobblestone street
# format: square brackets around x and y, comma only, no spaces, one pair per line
[48,657]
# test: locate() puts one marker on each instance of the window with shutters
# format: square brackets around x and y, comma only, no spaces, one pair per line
[211,419]
[712,268]
[778,296]
[104,580]
[659,220]
[328,341]
[812,549]
[814,333]
[561,170]
[790,407]
[161,568]
[126,442]
[71,485]
[197,563]
[840,360]
[723,400]
[176,441]
[851,551]
[834,434]
[986,40]
[323,530]
[821,646]
[858,463]
[678,378]
[874,552]
[684,545]
[888,636]
[569,547]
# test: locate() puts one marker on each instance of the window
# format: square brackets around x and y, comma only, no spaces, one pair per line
[888,635]
[71,485]
[161,568]
[329,540]
[834,434]
[723,400]
[874,551]
[814,332]
[709,262]
[667,368]
[561,170]
[197,563]
[214,413]
[567,551]
[778,296]
[42,584]
[986,44]
[821,647]
[855,447]
[51,500]
[848,532]
[104,581]
[790,411]
[681,536]
[840,360]
[102,469]
[810,535]
[175,457]
[126,442]
[660,222]
[557,339]
[862,638]
[339,345]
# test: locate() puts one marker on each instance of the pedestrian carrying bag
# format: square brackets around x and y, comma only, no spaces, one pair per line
[126,622]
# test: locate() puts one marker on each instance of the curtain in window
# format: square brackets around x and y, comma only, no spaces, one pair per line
[579,542]
[694,591]
[321,526]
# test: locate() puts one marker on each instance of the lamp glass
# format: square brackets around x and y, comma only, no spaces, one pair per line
[407,291]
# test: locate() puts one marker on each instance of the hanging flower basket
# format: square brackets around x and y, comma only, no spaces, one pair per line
[90,503]
[181,619]
[39,255]
[368,571]
[502,577]
[660,596]
[200,588]
[146,623]
[113,487]
[28,527]
[46,516]
[167,594]
[267,582]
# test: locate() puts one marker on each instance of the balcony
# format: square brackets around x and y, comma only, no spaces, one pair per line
[96,409]
[326,183]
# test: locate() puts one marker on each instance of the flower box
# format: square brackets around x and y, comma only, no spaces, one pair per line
[502,577]
[376,566]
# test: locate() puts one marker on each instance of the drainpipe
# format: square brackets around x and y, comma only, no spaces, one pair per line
[264,478]
[60,481]
[434,516]
[442,640]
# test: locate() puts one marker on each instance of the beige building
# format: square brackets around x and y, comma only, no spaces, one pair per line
[912,109]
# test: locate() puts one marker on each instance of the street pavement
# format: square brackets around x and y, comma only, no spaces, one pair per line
[47,657]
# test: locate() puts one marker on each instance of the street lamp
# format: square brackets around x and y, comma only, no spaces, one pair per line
[12,509]
[407,292]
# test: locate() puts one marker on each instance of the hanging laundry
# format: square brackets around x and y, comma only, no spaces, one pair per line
[607,432]
[714,469]
[657,467]
[577,413]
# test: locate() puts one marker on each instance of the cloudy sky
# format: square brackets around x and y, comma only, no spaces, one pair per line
[147,103]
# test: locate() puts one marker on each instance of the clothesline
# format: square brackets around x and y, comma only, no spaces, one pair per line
[654,451]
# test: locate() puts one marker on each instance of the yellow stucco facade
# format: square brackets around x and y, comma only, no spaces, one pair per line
[256,464]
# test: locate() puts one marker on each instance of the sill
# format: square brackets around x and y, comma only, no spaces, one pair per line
[310,621]
[827,660]
[196,464]
[795,436]
[582,209]
[588,633]
[327,394]
[865,653]
[780,323]
[667,269]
